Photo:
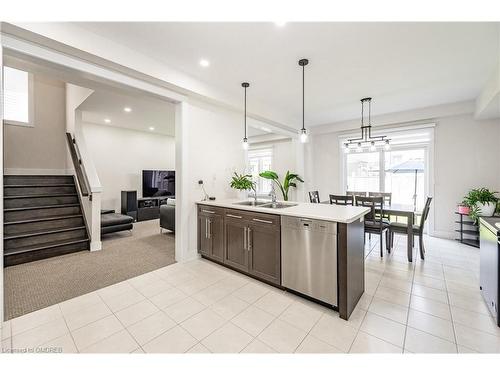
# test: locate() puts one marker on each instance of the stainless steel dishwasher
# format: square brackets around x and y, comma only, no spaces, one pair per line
[309,257]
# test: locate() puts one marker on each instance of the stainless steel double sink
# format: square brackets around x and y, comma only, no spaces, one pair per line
[265,204]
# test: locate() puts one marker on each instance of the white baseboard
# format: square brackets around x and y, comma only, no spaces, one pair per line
[37,171]
[95,245]
[193,256]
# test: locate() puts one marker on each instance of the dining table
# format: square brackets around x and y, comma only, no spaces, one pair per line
[400,210]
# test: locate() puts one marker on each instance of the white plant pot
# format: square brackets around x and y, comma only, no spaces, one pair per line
[487,209]
[243,195]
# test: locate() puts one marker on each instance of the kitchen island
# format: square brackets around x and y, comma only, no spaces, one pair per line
[314,250]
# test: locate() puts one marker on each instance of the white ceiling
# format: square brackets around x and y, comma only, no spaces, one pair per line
[146,112]
[401,65]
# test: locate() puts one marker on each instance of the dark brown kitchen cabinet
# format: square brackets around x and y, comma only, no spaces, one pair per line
[236,242]
[253,244]
[265,256]
[246,241]
[211,233]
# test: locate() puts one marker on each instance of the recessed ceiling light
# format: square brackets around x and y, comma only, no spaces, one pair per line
[204,63]
[127,109]
[280,23]
[266,129]
[151,128]
[107,120]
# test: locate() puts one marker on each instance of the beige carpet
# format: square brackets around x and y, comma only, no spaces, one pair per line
[33,286]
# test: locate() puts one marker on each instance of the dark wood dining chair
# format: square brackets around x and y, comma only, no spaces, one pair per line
[418,229]
[387,196]
[355,194]
[373,223]
[314,196]
[387,201]
[343,200]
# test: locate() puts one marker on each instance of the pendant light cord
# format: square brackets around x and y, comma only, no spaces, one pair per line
[303,97]
[245,122]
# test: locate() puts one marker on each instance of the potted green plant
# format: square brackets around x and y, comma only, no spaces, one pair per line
[289,181]
[482,202]
[242,182]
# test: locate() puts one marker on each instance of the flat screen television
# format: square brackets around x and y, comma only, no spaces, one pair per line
[158,183]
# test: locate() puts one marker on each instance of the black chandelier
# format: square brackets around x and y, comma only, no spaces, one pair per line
[366,139]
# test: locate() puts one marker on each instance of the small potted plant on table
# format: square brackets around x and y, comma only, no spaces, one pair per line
[482,202]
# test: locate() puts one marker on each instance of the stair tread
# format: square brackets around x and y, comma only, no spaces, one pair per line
[42,207]
[57,217]
[46,245]
[40,196]
[41,232]
[36,185]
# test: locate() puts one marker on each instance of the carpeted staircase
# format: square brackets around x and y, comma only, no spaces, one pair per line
[42,218]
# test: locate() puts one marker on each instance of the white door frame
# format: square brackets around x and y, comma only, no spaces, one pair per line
[27,48]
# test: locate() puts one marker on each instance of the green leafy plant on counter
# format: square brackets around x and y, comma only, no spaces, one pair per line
[477,199]
[289,181]
[242,182]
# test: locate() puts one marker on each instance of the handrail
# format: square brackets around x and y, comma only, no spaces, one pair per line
[81,175]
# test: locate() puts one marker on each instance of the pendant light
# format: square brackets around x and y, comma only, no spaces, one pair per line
[303,131]
[366,138]
[245,85]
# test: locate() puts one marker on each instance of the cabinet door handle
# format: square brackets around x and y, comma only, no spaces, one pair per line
[206,228]
[245,238]
[249,235]
[208,212]
[263,221]
[209,229]
[235,216]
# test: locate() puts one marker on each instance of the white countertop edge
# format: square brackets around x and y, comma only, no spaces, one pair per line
[329,212]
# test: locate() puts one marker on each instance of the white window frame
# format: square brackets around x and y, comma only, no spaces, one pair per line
[31,103]
[267,148]
[429,161]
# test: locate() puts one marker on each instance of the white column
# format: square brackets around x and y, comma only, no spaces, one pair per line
[182,193]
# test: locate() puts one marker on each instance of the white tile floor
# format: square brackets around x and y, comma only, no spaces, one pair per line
[200,307]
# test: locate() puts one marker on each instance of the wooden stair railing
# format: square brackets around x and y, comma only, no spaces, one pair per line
[81,175]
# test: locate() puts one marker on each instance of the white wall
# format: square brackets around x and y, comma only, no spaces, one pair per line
[466,153]
[211,149]
[25,148]
[120,155]
[284,159]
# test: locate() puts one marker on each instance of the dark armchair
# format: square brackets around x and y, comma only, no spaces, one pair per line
[167,215]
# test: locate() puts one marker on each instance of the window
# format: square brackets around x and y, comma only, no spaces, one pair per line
[363,171]
[390,171]
[18,97]
[260,160]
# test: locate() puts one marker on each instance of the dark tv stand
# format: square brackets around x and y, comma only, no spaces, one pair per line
[143,208]
[149,208]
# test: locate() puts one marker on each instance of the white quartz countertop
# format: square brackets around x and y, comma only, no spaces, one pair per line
[328,212]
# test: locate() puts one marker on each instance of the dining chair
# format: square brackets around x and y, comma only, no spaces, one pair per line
[356,193]
[387,196]
[418,229]
[387,201]
[343,200]
[314,196]
[373,223]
